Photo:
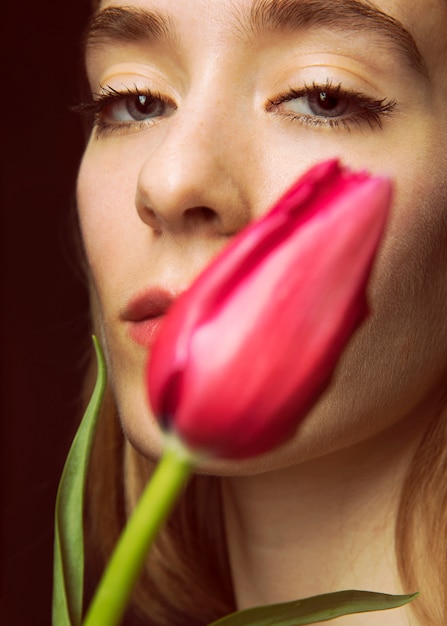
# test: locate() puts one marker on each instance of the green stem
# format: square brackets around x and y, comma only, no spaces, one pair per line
[154,506]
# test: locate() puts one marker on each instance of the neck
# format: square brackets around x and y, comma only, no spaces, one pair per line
[320,526]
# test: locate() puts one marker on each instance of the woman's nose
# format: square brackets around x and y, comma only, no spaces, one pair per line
[190,179]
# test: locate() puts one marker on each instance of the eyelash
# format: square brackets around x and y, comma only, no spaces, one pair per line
[368,111]
[96,108]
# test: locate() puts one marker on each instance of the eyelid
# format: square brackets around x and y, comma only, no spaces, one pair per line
[126,71]
[109,94]
[134,74]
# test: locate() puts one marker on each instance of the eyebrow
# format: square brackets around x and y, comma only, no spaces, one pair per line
[133,25]
[128,25]
[353,15]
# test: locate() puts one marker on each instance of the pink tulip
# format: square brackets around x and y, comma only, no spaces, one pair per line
[243,354]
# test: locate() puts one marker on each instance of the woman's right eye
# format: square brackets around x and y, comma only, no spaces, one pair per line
[135,108]
[113,109]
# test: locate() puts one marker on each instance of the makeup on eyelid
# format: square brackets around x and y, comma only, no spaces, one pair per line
[121,71]
[342,67]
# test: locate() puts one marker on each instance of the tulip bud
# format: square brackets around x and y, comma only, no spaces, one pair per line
[243,354]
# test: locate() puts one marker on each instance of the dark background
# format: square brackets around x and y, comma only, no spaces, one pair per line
[44,308]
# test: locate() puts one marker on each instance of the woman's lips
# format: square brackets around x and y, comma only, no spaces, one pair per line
[144,332]
[144,314]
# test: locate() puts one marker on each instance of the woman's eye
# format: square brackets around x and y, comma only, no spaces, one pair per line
[113,110]
[331,106]
[135,108]
[321,104]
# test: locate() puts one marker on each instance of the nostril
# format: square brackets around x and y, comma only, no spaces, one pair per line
[200,214]
[149,216]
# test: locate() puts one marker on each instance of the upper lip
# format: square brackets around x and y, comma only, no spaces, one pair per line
[153,302]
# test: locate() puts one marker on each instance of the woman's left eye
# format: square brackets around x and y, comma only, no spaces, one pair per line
[322,103]
[331,106]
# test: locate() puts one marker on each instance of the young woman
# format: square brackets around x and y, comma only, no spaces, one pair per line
[203,114]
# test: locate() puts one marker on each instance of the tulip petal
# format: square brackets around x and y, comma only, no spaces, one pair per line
[264,325]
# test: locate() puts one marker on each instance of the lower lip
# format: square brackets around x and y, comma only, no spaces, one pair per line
[145,331]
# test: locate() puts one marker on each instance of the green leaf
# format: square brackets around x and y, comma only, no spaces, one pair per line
[316,609]
[68,570]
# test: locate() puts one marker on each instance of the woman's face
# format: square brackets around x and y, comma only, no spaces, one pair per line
[206,112]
